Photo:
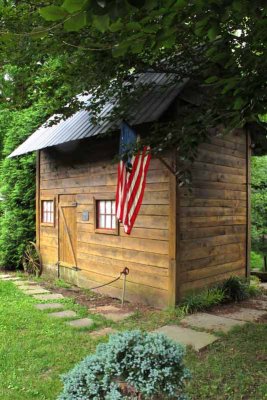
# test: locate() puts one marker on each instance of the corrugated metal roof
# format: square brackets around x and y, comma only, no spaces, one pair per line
[160,93]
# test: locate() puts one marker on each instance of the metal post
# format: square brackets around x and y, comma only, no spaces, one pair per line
[125,272]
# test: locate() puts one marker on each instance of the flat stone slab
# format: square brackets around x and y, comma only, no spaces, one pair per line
[103,332]
[35,291]
[52,296]
[81,323]
[263,285]
[64,314]
[5,276]
[211,322]
[111,312]
[11,279]
[187,336]
[25,283]
[261,304]
[246,314]
[28,287]
[49,306]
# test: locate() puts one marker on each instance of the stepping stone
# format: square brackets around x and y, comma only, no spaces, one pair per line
[211,322]
[64,314]
[11,279]
[246,314]
[263,285]
[31,287]
[27,287]
[24,283]
[81,323]
[261,304]
[103,332]
[111,312]
[49,306]
[5,276]
[52,296]
[36,291]
[187,336]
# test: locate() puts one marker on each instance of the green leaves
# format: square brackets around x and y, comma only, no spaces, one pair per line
[101,22]
[239,103]
[121,49]
[212,79]
[75,22]
[213,33]
[116,26]
[73,6]
[71,11]
[53,13]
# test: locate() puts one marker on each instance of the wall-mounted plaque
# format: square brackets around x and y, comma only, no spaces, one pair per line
[85,216]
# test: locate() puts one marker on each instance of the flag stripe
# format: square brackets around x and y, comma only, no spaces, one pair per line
[131,184]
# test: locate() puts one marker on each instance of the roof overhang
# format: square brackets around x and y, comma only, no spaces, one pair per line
[161,92]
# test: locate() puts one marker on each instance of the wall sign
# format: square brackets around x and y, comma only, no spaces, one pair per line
[85,216]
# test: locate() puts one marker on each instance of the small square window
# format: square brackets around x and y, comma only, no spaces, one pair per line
[106,221]
[47,212]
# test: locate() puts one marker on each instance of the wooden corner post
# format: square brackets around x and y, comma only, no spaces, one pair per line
[173,277]
[248,219]
[37,199]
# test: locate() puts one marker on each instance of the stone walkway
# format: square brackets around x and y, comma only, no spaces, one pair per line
[57,310]
[196,330]
[199,330]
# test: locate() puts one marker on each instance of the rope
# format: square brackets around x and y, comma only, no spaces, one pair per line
[124,272]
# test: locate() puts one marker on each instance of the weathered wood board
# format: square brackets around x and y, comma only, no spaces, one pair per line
[213,214]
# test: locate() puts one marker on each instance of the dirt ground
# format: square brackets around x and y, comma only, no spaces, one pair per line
[91,299]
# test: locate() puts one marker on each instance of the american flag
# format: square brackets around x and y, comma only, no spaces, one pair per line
[132,171]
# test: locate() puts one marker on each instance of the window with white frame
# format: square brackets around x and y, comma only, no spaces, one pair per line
[47,212]
[106,215]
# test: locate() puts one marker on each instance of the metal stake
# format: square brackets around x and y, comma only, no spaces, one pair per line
[125,273]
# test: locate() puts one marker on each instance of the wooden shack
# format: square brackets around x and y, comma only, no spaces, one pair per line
[184,239]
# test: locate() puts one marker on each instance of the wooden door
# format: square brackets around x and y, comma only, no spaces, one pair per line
[67,230]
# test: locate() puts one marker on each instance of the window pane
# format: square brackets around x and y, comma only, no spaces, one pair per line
[108,221]
[48,211]
[113,207]
[102,221]
[102,207]
[113,222]
[108,207]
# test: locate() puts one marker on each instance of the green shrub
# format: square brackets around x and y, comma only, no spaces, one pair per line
[203,300]
[131,365]
[235,289]
[254,286]
[256,260]
[17,186]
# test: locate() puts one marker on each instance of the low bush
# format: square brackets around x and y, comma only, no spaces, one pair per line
[235,289]
[132,365]
[254,286]
[203,300]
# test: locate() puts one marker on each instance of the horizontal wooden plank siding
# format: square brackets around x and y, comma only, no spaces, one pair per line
[213,214]
[101,257]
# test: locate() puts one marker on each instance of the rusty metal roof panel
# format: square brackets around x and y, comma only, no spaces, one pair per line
[160,93]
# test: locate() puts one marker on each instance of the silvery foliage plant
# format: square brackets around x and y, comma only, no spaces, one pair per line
[132,365]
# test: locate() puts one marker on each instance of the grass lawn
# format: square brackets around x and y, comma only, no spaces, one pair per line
[36,349]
